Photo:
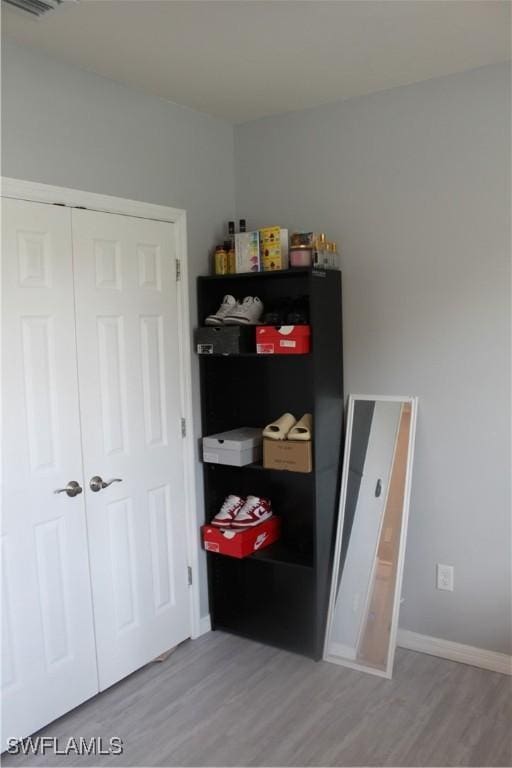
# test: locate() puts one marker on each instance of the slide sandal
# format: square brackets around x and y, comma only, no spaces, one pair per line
[278,429]
[302,429]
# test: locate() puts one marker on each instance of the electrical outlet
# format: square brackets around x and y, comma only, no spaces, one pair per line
[445,577]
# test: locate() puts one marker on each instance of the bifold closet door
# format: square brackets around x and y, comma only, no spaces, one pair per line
[128,363]
[48,652]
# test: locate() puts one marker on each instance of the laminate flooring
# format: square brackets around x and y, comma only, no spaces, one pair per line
[225,701]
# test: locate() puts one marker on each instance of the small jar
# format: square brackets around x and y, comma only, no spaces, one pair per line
[300,256]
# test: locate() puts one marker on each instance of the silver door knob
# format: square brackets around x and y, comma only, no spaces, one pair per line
[72,489]
[96,483]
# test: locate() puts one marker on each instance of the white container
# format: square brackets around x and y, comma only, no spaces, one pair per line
[235,448]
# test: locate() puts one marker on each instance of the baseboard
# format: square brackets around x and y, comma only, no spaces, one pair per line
[205,625]
[434,646]
[465,654]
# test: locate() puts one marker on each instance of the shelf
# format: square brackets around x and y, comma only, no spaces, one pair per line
[263,275]
[277,554]
[260,468]
[279,594]
[254,354]
[281,644]
[280,554]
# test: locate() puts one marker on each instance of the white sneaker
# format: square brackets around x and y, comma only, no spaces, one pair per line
[229,303]
[229,510]
[246,313]
[254,512]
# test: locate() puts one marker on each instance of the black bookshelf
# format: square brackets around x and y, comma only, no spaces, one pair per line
[280,594]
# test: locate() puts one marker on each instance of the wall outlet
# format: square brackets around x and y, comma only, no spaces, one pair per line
[445,577]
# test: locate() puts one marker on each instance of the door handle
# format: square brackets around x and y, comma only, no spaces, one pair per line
[97,483]
[72,489]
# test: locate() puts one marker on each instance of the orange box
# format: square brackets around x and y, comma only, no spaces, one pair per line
[241,543]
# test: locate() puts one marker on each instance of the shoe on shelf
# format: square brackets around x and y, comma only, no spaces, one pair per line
[277,311]
[278,429]
[298,312]
[254,512]
[229,303]
[246,313]
[302,429]
[229,510]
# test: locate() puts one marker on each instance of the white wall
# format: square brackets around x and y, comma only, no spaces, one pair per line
[71,128]
[414,183]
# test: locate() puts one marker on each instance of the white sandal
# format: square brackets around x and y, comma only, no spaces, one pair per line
[302,429]
[278,429]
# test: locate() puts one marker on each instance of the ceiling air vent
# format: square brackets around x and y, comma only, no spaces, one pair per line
[35,7]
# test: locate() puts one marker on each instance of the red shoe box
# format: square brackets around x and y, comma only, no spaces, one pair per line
[283,340]
[241,543]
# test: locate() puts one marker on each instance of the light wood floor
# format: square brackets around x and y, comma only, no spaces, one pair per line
[224,701]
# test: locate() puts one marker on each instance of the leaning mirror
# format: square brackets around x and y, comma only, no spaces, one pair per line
[372,527]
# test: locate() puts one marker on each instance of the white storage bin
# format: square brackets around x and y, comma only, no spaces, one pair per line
[236,448]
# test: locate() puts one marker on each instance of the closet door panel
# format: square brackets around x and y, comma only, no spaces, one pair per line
[48,663]
[128,357]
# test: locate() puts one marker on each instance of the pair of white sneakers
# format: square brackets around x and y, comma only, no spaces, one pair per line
[237,512]
[233,312]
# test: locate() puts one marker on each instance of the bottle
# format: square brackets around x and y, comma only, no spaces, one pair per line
[220,266]
[229,247]
[242,226]
[230,258]
[331,250]
[335,256]
[322,257]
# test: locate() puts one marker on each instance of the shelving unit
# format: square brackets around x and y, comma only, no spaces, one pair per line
[280,594]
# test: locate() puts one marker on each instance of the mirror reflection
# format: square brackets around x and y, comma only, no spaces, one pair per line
[372,525]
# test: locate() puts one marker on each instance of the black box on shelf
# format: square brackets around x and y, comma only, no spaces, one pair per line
[225,340]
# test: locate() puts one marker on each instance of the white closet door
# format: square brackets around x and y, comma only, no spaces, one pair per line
[48,655]
[128,362]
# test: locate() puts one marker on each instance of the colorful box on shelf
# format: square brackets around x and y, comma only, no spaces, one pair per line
[288,455]
[236,448]
[274,248]
[224,339]
[247,252]
[283,340]
[241,543]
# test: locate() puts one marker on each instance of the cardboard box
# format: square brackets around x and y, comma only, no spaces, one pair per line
[224,339]
[283,340]
[274,248]
[247,252]
[290,455]
[236,448]
[241,543]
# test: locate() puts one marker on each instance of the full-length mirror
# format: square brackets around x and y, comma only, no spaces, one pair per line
[372,528]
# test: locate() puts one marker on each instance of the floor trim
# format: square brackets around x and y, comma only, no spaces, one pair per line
[465,654]
[434,646]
